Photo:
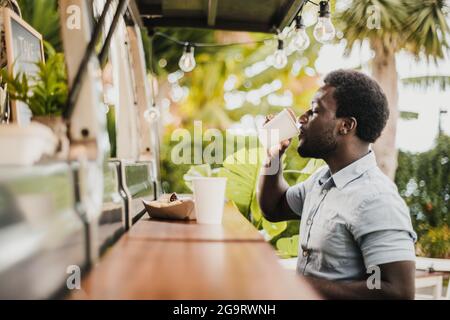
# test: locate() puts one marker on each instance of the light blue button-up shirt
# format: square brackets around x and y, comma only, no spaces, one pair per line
[350,221]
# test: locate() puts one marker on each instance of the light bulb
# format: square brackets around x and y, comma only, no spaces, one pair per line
[151,115]
[280,58]
[300,40]
[187,61]
[324,30]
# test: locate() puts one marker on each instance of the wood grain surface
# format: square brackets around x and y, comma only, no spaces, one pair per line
[183,260]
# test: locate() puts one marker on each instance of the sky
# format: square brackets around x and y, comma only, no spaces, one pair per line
[412,135]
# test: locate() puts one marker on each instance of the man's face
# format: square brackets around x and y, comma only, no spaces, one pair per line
[318,136]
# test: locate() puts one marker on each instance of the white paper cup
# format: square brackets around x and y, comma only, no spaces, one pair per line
[209,197]
[282,127]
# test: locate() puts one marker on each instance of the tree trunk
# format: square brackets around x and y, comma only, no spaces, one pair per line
[384,71]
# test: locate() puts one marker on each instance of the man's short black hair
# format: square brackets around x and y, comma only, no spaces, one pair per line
[359,96]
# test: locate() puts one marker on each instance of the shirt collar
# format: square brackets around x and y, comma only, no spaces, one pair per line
[350,172]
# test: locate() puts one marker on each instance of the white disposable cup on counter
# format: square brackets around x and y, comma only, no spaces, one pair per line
[282,127]
[209,197]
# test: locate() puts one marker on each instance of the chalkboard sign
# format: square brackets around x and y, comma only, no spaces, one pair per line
[24,48]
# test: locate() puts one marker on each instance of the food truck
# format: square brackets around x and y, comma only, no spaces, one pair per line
[67,205]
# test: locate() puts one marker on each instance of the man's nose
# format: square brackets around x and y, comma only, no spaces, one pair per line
[303,118]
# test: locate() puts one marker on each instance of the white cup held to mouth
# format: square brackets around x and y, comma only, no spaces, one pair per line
[209,197]
[282,127]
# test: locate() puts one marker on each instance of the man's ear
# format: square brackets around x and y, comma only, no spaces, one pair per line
[348,125]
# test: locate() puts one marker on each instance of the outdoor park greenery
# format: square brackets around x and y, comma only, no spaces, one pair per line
[418,27]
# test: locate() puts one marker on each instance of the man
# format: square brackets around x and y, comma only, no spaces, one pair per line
[356,237]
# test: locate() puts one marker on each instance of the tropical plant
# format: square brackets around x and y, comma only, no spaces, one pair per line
[420,27]
[46,92]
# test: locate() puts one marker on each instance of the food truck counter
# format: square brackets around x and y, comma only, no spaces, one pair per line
[160,259]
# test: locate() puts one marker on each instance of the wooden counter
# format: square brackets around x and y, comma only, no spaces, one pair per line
[234,228]
[183,260]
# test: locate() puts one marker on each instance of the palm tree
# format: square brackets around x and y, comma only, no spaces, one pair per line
[443,82]
[419,27]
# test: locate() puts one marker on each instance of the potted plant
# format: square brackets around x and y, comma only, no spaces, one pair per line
[45,93]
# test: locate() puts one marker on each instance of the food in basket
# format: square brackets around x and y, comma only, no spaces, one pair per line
[169,206]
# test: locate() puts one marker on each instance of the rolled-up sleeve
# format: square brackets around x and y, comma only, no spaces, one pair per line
[384,231]
[296,194]
[295,197]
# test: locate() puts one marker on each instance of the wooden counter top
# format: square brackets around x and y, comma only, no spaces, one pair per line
[182,260]
[234,228]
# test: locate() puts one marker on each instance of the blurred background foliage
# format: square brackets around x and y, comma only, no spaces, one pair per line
[205,101]
[423,180]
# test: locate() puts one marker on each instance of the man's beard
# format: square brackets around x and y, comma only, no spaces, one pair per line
[318,147]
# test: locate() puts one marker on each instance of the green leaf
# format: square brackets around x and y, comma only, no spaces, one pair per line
[274,228]
[242,171]
[419,27]
[256,214]
[203,170]
[288,247]
[425,82]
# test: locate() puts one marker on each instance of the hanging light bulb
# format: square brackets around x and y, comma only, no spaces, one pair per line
[324,30]
[187,61]
[151,115]
[300,40]
[280,58]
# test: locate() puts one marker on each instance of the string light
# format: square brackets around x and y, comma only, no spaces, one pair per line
[324,30]
[187,61]
[300,40]
[151,115]
[280,59]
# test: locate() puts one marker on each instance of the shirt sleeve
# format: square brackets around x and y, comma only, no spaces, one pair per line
[295,197]
[384,231]
[296,194]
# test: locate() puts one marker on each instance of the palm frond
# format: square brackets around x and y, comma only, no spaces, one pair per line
[420,27]
[354,22]
[427,25]
[427,81]
[408,115]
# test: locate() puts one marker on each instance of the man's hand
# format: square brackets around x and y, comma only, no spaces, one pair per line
[272,187]
[280,149]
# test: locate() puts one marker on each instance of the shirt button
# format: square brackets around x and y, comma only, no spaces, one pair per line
[305,253]
[309,221]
